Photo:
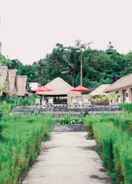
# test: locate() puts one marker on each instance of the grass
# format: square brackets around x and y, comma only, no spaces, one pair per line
[20,144]
[126,107]
[114,144]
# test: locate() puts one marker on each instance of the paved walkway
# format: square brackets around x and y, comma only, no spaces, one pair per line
[68,158]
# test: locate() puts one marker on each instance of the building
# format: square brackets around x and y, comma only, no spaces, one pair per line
[12,84]
[78,100]
[59,90]
[21,84]
[11,78]
[121,90]
[78,97]
[99,96]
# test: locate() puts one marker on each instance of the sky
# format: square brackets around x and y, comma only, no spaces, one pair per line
[30,29]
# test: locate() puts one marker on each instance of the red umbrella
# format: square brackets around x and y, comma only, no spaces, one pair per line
[41,90]
[81,89]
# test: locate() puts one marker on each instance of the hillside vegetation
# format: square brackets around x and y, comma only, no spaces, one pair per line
[99,66]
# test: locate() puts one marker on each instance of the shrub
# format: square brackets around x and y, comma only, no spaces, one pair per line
[20,101]
[70,120]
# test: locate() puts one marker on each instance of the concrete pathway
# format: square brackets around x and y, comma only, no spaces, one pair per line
[68,158]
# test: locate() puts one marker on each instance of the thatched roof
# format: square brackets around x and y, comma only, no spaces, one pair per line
[100,90]
[122,83]
[58,87]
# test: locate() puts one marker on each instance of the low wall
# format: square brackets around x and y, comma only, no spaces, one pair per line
[60,111]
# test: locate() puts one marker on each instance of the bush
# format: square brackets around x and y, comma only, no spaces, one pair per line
[20,101]
[70,120]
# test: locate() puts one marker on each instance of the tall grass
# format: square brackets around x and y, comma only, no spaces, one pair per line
[20,144]
[126,107]
[114,144]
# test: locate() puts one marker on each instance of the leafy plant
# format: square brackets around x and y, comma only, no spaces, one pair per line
[70,120]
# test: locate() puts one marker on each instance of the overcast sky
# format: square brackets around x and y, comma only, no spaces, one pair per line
[30,28]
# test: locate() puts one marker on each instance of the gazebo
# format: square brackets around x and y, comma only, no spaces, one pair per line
[58,93]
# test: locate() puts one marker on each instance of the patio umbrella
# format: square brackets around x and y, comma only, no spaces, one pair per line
[42,89]
[81,89]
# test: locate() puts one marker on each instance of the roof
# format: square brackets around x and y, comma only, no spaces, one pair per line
[100,90]
[121,83]
[58,87]
[81,89]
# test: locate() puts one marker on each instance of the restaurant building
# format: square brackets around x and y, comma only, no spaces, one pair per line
[58,93]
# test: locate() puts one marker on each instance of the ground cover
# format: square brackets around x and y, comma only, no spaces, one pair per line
[70,120]
[20,144]
[114,143]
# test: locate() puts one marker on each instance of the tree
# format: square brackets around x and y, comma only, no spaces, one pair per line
[99,66]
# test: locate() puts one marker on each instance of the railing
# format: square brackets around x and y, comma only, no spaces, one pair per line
[66,108]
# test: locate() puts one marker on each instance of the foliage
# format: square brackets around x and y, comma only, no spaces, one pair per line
[20,101]
[99,66]
[4,60]
[99,100]
[114,144]
[126,107]
[5,107]
[70,120]
[20,145]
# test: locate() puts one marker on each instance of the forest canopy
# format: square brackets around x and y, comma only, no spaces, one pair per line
[99,66]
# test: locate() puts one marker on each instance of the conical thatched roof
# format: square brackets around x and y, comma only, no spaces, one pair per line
[100,90]
[123,82]
[58,87]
